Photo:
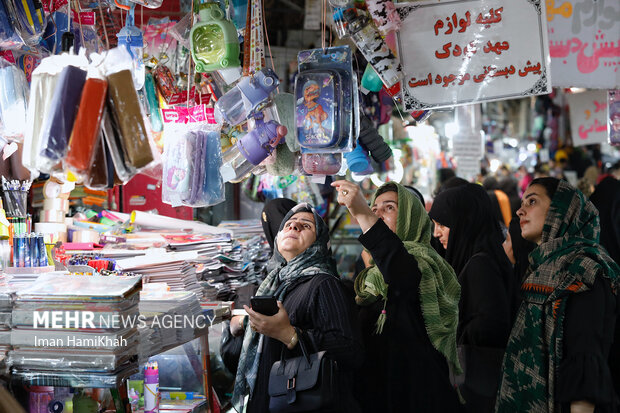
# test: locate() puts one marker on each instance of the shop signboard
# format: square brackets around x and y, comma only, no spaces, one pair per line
[466,51]
[584,43]
[588,117]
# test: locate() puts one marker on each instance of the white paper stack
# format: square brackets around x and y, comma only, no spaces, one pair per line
[243,228]
[6,305]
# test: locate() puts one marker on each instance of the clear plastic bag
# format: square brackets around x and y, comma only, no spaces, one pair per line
[78,360]
[180,31]
[14,93]
[191,168]
[9,37]
[97,177]
[152,103]
[124,105]
[40,107]
[87,124]
[58,124]
[114,148]
[21,19]
[86,33]
[326,101]
[321,163]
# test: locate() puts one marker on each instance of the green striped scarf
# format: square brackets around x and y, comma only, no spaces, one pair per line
[568,261]
[439,288]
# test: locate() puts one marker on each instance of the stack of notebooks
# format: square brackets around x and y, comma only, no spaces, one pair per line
[85,324]
[160,266]
[243,228]
[6,306]
[171,318]
[23,277]
[244,264]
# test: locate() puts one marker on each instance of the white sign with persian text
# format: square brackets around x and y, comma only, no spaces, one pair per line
[466,51]
[588,117]
[584,43]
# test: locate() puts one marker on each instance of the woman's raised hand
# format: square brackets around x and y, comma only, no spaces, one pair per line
[350,195]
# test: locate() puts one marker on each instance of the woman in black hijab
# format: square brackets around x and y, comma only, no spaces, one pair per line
[273,213]
[517,249]
[468,230]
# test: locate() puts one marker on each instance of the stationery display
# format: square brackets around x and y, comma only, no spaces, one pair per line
[14,194]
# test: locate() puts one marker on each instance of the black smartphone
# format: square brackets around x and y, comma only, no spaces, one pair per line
[264,304]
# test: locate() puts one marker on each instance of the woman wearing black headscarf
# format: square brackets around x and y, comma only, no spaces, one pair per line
[606,198]
[517,249]
[273,213]
[465,225]
[314,308]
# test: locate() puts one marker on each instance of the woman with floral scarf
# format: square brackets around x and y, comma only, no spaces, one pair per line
[314,307]
[557,353]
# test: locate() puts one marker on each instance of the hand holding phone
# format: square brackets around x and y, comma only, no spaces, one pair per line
[264,304]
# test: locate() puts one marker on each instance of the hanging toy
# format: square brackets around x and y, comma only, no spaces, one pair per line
[246,98]
[214,42]
[326,104]
[131,38]
[240,159]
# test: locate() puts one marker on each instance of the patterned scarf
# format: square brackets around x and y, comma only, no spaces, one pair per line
[439,288]
[568,261]
[316,259]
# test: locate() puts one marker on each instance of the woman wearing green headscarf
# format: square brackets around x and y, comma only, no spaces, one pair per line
[557,353]
[408,298]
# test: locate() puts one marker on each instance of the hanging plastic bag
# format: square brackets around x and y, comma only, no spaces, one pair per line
[44,79]
[152,104]
[97,174]
[357,24]
[9,37]
[114,148]
[14,93]
[85,31]
[159,43]
[58,125]
[128,114]
[130,37]
[51,110]
[180,31]
[25,19]
[326,115]
[321,163]
[86,128]
[191,160]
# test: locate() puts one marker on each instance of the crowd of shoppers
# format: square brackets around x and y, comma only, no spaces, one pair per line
[449,313]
